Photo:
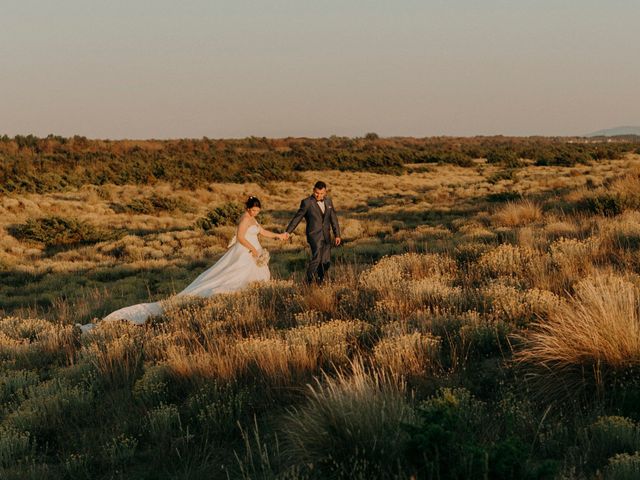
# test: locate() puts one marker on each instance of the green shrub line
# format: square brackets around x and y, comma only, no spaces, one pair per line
[56,231]
[54,163]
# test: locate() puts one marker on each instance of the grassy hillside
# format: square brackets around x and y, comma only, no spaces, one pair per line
[481,321]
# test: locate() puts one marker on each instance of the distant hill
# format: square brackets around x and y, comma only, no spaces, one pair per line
[614,132]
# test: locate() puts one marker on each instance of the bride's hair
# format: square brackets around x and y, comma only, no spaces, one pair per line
[252,202]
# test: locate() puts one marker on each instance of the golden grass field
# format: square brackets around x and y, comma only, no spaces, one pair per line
[502,299]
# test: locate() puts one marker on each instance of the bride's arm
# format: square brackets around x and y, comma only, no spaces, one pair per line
[242,240]
[269,234]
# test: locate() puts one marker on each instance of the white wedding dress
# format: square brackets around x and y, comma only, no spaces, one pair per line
[234,271]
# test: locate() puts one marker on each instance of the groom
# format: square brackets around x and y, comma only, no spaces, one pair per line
[321,218]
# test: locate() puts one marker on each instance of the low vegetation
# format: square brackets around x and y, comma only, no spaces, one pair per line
[54,163]
[474,325]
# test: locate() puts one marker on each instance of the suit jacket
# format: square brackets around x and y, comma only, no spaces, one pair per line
[319,225]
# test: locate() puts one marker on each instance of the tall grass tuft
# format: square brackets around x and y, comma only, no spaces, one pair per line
[518,214]
[598,328]
[351,424]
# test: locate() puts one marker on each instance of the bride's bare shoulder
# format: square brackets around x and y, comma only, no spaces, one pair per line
[246,221]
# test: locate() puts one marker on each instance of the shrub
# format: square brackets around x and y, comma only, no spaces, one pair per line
[14,445]
[120,450]
[507,260]
[394,271]
[56,231]
[13,384]
[605,204]
[469,336]
[410,354]
[36,343]
[226,214]
[611,435]
[507,174]
[218,407]
[623,467]
[505,157]
[77,466]
[152,387]
[449,440]
[156,203]
[49,406]
[116,351]
[443,440]
[507,196]
[164,424]
[617,196]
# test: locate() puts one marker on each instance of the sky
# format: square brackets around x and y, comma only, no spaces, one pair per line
[276,68]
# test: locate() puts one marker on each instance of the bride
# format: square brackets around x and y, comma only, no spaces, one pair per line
[244,262]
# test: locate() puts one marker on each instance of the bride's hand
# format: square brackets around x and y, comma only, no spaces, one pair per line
[255,253]
[283,236]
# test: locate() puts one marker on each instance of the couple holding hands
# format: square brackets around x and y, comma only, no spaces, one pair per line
[321,219]
[245,261]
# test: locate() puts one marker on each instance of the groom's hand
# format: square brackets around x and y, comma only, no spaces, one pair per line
[338,241]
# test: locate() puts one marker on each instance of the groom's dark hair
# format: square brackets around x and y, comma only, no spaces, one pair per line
[320,185]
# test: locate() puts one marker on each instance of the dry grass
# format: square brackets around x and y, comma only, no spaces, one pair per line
[599,327]
[518,214]
[116,352]
[431,282]
[410,354]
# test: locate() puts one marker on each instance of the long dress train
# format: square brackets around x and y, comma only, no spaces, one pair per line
[232,272]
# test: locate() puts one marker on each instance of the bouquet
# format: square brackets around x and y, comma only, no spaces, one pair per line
[263,258]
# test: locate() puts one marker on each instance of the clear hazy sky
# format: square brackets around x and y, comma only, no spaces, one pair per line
[234,68]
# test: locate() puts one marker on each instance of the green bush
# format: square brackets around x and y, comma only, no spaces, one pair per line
[32,164]
[164,424]
[155,203]
[216,409]
[226,214]
[77,466]
[611,435]
[507,174]
[57,231]
[456,436]
[152,387]
[623,467]
[507,158]
[460,159]
[604,204]
[504,196]
[13,384]
[49,407]
[14,445]
[120,450]
[444,441]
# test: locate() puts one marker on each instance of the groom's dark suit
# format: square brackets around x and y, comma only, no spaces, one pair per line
[319,226]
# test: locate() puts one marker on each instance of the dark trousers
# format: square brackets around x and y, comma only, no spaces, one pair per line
[320,261]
